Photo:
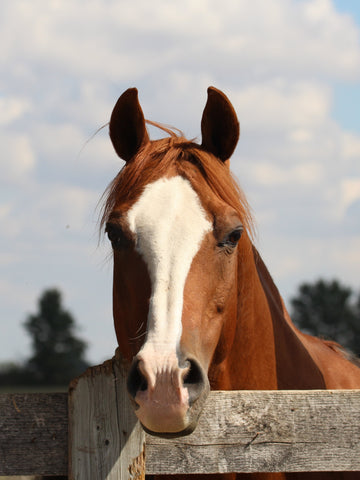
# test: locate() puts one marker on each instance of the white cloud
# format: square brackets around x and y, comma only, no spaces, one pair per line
[64,65]
[18,159]
[282,105]
[141,38]
[68,150]
[296,176]
[328,25]
[10,226]
[351,146]
[73,206]
[12,109]
[350,193]
[309,257]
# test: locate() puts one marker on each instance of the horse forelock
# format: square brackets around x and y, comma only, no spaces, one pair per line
[175,155]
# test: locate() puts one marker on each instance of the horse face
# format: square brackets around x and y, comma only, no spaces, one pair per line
[174,290]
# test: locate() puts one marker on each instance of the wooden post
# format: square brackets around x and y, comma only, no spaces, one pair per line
[106,441]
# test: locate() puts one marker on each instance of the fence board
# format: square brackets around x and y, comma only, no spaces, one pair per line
[239,432]
[282,431]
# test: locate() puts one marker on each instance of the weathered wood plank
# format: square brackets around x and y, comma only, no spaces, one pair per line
[283,431]
[106,441]
[238,431]
[33,434]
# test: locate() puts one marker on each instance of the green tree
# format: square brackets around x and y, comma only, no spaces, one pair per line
[58,355]
[327,309]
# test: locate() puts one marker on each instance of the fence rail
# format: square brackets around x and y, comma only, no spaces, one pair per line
[244,431]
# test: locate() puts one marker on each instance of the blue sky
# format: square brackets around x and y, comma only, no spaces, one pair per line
[291,69]
[345,106]
[350,7]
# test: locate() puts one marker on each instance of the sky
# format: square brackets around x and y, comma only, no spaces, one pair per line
[292,71]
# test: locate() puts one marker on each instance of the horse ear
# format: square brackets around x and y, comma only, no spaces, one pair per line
[219,125]
[127,125]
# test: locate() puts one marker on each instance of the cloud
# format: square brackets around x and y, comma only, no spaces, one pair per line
[12,109]
[133,40]
[18,159]
[310,258]
[63,67]
[350,193]
[299,175]
[350,146]
[46,215]
[283,105]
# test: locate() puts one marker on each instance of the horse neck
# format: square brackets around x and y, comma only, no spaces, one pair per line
[267,351]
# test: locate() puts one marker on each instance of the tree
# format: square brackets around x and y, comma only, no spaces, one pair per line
[326,309]
[58,355]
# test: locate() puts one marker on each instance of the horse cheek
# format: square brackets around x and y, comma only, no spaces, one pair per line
[131,293]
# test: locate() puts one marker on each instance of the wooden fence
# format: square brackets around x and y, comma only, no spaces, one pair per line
[92,434]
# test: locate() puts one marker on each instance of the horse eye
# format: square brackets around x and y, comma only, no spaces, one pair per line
[116,236]
[231,240]
[234,236]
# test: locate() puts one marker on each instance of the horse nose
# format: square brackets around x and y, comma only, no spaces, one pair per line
[194,380]
[136,380]
[192,376]
[165,395]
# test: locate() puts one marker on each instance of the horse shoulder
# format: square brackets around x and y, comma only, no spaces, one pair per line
[339,371]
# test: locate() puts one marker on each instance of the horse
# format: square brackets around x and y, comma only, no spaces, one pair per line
[195,308]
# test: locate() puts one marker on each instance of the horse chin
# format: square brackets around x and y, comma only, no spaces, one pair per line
[187,431]
[166,426]
[179,427]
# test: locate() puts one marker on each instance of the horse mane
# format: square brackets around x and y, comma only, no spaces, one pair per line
[347,354]
[175,152]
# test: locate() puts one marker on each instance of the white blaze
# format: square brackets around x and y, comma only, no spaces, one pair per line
[169,224]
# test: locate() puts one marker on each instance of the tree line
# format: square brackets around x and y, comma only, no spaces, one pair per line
[58,355]
[329,310]
[326,309]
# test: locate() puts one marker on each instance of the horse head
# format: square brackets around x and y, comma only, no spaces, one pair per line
[177,225]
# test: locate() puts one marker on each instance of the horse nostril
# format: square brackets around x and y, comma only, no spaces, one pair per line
[194,381]
[136,380]
[194,374]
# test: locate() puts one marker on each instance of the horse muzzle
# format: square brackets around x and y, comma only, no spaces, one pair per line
[168,398]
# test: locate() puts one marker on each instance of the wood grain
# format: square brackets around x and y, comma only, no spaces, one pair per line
[246,431]
[282,431]
[106,439]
